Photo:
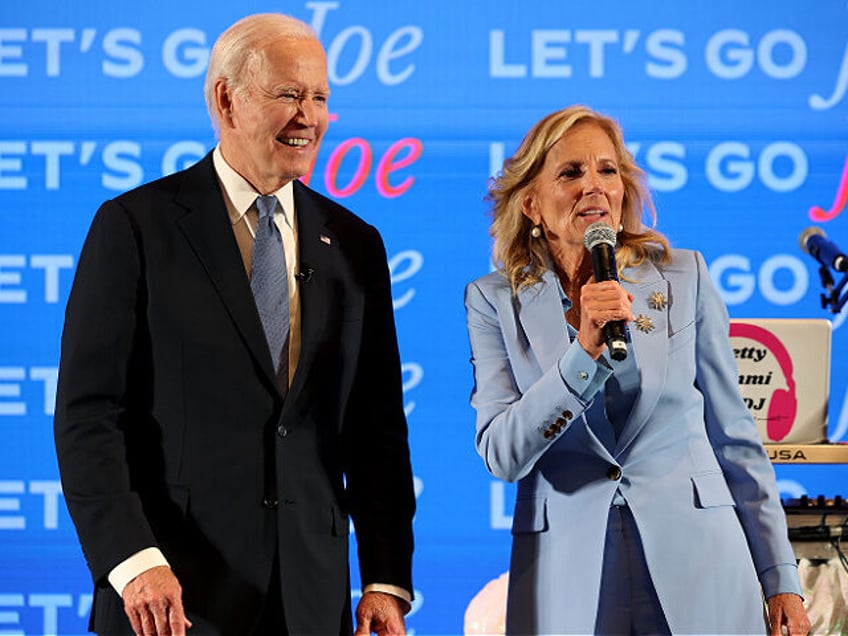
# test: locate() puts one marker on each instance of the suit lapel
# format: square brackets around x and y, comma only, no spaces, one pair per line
[207,228]
[542,317]
[649,344]
[318,248]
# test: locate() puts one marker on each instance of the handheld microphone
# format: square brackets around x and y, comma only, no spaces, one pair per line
[814,242]
[599,239]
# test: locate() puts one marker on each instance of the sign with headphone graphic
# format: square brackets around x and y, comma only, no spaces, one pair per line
[784,375]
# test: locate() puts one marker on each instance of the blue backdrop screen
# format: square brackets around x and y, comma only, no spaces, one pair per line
[736,111]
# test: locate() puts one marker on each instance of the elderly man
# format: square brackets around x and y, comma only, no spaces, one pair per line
[229,387]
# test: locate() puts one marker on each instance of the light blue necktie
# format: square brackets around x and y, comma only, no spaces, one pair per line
[269,282]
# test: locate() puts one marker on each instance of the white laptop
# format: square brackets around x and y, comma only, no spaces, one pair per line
[784,376]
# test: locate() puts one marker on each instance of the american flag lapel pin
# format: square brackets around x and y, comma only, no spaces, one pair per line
[326,239]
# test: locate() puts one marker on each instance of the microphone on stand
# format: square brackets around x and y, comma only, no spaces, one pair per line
[814,242]
[599,239]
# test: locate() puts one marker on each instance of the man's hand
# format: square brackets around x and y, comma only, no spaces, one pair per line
[153,602]
[381,613]
[787,610]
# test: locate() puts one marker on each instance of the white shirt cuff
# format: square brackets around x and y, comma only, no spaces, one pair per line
[394,590]
[131,567]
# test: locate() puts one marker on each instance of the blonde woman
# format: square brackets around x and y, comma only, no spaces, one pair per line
[646,503]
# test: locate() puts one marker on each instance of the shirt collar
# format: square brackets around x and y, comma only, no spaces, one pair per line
[240,195]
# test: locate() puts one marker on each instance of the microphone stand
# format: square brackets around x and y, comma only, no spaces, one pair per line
[832,297]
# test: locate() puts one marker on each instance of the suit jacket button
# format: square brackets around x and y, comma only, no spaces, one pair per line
[614,473]
[567,414]
[282,431]
[548,434]
[270,502]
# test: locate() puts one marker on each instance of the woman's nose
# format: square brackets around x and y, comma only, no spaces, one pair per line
[593,183]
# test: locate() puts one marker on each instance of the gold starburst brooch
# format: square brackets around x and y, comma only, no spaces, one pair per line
[644,324]
[657,301]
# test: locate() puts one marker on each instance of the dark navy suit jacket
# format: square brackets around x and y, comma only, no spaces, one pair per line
[171,431]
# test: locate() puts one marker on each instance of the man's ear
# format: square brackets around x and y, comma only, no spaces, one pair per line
[223,102]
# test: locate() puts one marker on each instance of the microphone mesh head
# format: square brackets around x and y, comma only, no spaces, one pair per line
[806,235]
[598,233]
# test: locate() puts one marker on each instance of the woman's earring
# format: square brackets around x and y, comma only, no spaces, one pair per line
[536,231]
[621,227]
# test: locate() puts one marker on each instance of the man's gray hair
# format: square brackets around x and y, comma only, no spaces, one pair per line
[242,43]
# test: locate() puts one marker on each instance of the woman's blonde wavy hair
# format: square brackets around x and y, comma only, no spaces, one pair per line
[522,258]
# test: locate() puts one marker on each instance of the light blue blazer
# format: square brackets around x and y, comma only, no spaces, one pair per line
[689,461]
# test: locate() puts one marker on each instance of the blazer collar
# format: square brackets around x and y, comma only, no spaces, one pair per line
[319,248]
[649,340]
[207,228]
[540,313]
